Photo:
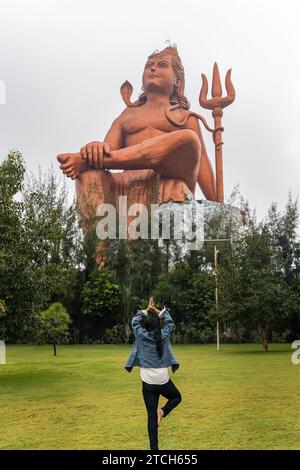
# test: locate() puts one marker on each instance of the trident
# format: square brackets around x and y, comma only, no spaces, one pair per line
[216,104]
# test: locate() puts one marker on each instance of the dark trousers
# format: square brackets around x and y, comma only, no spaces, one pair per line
[151,397]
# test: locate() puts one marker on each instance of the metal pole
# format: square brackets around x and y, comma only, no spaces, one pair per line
[216,251]
[214,243]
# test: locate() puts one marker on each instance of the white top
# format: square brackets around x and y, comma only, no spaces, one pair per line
[155,375]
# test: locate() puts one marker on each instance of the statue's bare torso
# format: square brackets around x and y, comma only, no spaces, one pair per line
[143,122]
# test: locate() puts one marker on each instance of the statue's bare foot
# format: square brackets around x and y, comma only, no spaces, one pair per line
[72,164]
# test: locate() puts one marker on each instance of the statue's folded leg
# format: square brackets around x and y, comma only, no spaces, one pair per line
[173,189]
[174,155]
[148,186]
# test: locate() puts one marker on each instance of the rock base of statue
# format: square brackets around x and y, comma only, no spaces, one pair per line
[218,216]
[193,222]
[183,226]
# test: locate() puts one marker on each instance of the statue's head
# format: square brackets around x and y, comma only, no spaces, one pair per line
[164,70]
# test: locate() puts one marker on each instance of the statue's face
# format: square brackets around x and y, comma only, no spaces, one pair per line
[159,75]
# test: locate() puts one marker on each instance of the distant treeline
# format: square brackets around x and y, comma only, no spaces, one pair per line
[44,259]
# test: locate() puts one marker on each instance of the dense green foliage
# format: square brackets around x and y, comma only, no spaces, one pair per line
[44,259]
[258,286]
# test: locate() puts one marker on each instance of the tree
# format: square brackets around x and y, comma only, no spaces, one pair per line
[282,228]
[54,324]
[17,288]
[40,246]
[101,299]
[252,287]
[53,238]
[190,295]
[137,265]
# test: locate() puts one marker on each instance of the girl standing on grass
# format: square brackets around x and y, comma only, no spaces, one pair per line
[152,352]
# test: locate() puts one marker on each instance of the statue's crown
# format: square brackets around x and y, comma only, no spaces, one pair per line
[172,50]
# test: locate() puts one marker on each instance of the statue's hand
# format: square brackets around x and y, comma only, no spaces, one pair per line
[93,153]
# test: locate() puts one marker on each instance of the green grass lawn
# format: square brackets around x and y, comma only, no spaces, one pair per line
[237,398]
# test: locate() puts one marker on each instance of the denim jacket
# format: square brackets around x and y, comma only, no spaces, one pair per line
[144,353]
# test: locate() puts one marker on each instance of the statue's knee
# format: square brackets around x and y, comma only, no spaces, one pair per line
[189,137]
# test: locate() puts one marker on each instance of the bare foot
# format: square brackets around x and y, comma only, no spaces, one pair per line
[160,414]
[72,164]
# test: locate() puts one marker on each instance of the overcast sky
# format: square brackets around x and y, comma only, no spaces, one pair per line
[63,62]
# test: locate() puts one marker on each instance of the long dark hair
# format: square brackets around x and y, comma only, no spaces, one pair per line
[153,324]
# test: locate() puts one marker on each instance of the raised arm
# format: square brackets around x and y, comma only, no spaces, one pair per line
[94,151]
[136,322]
[206,175]
[115,137]
[168,324]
